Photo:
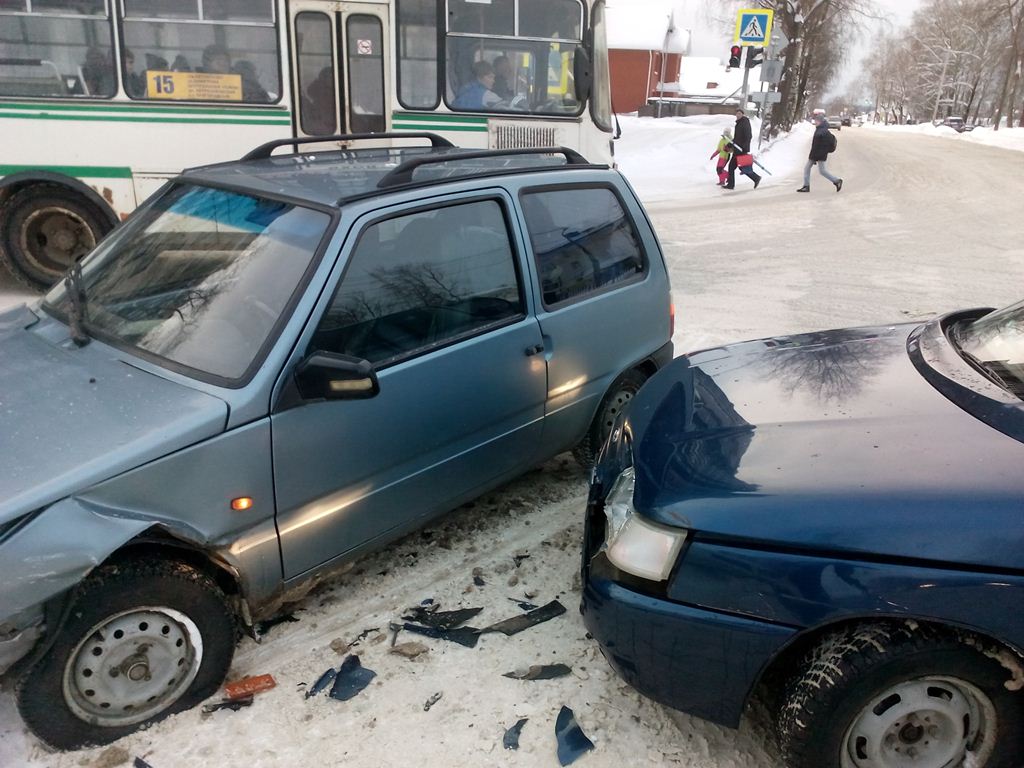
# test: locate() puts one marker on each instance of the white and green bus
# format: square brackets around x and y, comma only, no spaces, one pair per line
[102,101]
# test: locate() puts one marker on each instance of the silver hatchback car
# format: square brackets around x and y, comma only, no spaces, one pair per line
[278,364]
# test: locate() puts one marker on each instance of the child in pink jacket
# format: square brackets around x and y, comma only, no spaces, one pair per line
[722,153]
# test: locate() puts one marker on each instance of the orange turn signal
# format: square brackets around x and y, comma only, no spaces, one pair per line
[241,504]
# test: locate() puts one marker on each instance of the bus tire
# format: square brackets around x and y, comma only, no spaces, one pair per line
[45,229]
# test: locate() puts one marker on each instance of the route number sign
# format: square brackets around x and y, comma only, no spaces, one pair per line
[193,86]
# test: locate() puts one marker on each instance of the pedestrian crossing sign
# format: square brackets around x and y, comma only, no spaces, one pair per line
[754,26]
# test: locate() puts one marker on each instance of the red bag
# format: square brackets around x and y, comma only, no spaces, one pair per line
[744,161]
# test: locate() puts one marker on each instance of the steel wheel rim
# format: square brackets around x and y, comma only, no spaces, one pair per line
[132,666]
[54,238]
[930,722]
[615,406]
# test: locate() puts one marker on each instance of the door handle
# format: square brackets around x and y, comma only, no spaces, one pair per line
[536,349]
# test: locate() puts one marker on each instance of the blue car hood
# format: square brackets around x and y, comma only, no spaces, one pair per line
[71,417]
[831,442]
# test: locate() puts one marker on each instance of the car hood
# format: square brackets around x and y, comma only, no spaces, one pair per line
[71,417]
[834,442]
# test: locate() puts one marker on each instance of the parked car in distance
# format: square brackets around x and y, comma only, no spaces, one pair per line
[832,523]
[278,364]
[957,124]
[834,121]
[846,120]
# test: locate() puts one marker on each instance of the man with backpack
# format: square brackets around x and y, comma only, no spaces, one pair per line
[823,144]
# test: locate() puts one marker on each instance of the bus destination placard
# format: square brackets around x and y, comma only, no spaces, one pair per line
[193,86]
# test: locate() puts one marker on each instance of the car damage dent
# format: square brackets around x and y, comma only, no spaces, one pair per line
[41,561]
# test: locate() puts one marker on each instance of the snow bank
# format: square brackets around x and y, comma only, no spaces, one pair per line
[670,158]
[1004,138]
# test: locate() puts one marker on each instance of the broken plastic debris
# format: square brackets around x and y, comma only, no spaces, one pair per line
[351,679]
[140,763]
[523,604]
[432,701]
[322,682]
[511,738]
[233,704]
[518,559]
[466,636]
[479,581]
[540,672]
[409,650]
[262,627]
[441,619]
[572,742]
[249,686]
[518,623]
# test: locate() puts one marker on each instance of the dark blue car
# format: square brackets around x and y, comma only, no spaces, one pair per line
[834,523]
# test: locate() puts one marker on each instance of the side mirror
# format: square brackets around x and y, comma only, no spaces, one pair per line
[329,376]
[582,74]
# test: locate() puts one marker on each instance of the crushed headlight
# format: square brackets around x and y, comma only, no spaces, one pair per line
[633,544]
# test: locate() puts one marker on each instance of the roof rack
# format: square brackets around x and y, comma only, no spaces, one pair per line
[403,173]
[263,151]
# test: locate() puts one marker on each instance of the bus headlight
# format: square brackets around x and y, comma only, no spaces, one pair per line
[635,545]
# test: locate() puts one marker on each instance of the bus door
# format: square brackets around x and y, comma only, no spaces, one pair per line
[340,66]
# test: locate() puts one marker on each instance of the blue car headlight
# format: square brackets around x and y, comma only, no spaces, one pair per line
[633,544]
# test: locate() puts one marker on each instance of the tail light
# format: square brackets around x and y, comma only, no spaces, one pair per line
[671,319]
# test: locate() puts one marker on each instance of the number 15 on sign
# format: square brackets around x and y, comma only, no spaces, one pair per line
[754,26]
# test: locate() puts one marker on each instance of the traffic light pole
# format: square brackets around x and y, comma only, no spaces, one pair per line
[745,90]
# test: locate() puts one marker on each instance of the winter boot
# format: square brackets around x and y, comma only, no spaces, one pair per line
[804,189]
[839,186]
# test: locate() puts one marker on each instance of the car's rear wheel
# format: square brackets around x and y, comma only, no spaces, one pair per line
[144,640]
[898,695]
[615,400]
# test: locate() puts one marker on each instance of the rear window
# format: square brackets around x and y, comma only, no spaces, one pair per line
[583,242]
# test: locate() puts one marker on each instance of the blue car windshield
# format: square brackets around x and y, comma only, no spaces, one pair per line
[995,342]
[200,278]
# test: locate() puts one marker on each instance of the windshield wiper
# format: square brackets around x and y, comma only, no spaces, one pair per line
[76,297]
[996,372]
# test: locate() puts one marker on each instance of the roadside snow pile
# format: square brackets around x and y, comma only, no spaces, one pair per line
[1004,138]
[670,158]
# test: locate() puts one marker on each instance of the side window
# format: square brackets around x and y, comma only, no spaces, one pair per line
[318,106]
[417,54]
[582,241]
[418,281]
[365,75]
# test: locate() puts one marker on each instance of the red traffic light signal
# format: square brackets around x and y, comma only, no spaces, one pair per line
[734,56]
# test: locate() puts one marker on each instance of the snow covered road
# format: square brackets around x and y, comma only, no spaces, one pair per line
[923,225]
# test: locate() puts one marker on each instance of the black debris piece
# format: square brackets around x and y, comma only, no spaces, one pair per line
[511,738]
[262,627]
[524,605]
[479,581]
[233,704]
[531,619]
[572,742]
[351,679]
[540,672]
[322,682]
[428,601]
[140,763]
[432,701]
[363,635]
[466,636]
[518,559]
[432,617]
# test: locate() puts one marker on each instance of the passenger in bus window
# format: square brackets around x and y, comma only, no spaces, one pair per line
[504,78]
[251,88]
[98,71]
[216,60]
[181,64]
[318,110]
[478,93]
[134,83]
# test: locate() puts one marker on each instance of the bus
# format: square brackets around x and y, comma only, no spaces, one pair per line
[103,101]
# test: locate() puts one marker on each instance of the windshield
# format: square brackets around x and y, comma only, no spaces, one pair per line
[200,278]
[995,343]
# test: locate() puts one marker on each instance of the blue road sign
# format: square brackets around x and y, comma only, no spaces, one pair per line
[754,26]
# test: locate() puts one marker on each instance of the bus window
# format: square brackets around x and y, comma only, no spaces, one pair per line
[203,50]
[528,71]
[60,48]
[417,54]
[318,105]
[365,74]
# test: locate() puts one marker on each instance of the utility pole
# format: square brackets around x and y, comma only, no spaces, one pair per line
[745,90]
[942,86]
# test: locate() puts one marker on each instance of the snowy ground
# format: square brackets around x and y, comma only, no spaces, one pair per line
[1005,138]
[921,226]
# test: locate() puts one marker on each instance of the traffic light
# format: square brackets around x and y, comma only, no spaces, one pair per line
[755,57]
[734,56]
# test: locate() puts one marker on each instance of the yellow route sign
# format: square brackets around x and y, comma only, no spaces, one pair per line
[754,26]
[193,86]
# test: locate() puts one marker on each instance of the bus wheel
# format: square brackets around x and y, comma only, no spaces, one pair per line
[46,229]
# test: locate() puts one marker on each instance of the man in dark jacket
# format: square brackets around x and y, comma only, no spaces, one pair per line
[742,137]
[821,145]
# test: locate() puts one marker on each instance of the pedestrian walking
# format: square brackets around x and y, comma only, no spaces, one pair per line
[723,153]
[822,145]
[741,157]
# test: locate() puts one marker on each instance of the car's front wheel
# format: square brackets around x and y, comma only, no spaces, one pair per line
[900,694]
[143,640]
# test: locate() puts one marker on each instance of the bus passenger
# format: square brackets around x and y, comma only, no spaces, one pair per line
[504,78]
[479,93]
[134,83]
[216,60]
[98,71]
